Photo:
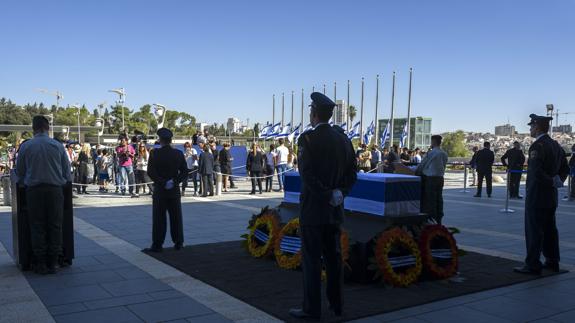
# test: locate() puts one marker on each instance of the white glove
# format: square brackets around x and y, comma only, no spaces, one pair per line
[169,185]
[336,198]
[557,183]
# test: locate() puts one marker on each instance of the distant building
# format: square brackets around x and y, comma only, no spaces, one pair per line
[200,126]
[340,112]
[233,125]
[564,128]
[505,130]
[420,131]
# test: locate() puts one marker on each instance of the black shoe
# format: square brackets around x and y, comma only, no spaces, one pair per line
[52,267]
[554,267]
[527,270]
[41,269]
[300,314]
[134,195]
[179,246]
[477,195]
[153,249]
[86,193]
[252,193]
[489,195]
[519,197]
[260,192]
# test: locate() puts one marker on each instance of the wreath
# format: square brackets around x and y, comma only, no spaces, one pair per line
[263,231]
[397,257]
[288,246]
[438,251]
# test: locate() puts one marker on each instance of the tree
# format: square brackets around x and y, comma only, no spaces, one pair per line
[352,113]
[454,144]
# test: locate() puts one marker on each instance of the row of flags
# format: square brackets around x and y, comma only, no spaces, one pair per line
[276,131]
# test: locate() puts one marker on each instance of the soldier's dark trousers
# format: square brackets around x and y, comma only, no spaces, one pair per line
[318,240]
[541,235]
[572,186]
[174,208]
[488,177]
[514,182]
[207,185]
[432,197]
[45,215]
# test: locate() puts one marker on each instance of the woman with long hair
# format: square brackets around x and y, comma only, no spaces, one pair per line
[141,171]
[255,165]
[83,161]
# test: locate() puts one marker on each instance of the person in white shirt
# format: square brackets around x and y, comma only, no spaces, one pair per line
[416,156]
[191,156]
[281,161]
[270,166]
[432,170]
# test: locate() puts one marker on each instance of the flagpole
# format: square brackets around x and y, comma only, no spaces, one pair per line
[302,108]
[324,89]
[335,98]
[361,114]
[291,123]
[376,105]
[347,112]
[391,118]
[409,110]
[282,109]
[274,110]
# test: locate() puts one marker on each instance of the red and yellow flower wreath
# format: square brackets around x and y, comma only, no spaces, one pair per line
[268,224]
[284,258]
[388,242]
[446,267]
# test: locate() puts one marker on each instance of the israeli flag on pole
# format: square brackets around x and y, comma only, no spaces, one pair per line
[354,132]
[369,133]
[403,136]
[274,131]
[285,131]
[294,133]
[306,129]
[343,126]
[264,131]
[385,135]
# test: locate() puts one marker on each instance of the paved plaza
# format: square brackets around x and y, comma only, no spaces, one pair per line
[112,281]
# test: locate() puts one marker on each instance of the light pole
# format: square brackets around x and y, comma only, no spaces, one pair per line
[65,131]
[160,112]
[58,96]
[100,125]
[122,97]
[77,107]
[51,120]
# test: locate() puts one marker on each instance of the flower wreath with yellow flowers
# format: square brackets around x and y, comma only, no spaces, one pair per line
[397,257]
[263,231]
[438,251]
[287,248]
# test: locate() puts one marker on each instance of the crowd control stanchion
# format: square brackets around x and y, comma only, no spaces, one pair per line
[568,196]
[219,183]
[464,190]
[507,209]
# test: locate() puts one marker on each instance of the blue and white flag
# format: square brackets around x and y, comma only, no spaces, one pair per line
[306,129]
[384,135]
[369,133]
[354,132]
[343,126]
[294,134]
[264,131]
[274,131]
[403,136]
[285,131]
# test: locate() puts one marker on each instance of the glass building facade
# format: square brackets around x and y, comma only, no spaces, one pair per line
[420,129]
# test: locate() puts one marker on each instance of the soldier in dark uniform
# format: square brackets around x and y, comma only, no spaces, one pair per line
[167,168]
[484,163]
[546,171]
[327,166]
[514,160]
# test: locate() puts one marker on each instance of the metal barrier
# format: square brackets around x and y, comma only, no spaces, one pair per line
[507,209]
[464,190]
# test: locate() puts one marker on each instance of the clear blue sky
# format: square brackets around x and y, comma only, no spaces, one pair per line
[476,63]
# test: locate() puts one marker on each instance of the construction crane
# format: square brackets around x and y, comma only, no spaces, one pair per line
[557,113]
[57,94]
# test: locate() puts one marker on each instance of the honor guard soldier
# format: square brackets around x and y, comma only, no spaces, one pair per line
[546,171]
[167,168]
[327,167]
[514,160]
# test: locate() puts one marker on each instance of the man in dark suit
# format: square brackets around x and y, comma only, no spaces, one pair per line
[167,168]
[484,163]
[327,167]
[514,160]
[546,171]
